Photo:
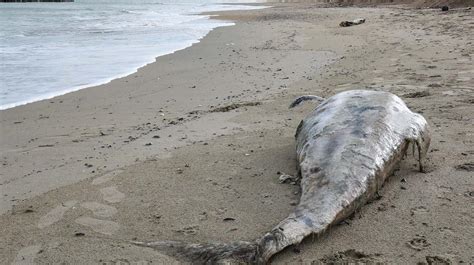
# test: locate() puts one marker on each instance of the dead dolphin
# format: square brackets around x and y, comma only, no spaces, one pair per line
[346,148]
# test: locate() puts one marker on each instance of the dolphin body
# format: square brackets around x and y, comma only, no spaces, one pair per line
[346,148]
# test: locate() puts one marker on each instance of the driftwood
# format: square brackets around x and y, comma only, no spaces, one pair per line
[352,23]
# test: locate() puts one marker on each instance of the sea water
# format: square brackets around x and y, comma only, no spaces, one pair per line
[49,49]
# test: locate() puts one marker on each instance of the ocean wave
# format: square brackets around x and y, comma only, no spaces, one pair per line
[129,11]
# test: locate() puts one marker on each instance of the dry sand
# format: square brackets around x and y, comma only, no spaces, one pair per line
[190,147]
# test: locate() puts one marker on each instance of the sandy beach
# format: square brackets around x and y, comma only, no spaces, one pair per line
[191,146]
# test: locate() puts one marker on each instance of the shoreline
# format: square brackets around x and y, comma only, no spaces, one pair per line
[153,59]
[188,148]
[99,83]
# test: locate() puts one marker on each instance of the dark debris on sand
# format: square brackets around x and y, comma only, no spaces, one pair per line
[419,94]
[235,106]
[466,167]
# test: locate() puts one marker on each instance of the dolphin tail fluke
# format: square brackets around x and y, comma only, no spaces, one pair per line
[301,99]
[291,231]
[212,253]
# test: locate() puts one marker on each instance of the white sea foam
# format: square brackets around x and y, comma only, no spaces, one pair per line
[50,49]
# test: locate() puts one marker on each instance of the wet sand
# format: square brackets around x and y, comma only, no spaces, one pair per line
[190,147]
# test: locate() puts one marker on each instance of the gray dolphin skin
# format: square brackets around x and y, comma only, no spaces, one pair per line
[346,148]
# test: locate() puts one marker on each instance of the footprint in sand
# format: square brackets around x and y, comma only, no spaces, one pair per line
[350,256]
[55,214]
[99,209]
[99,226]
[112,195]
[27,255]
[106,177]
[418,243]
